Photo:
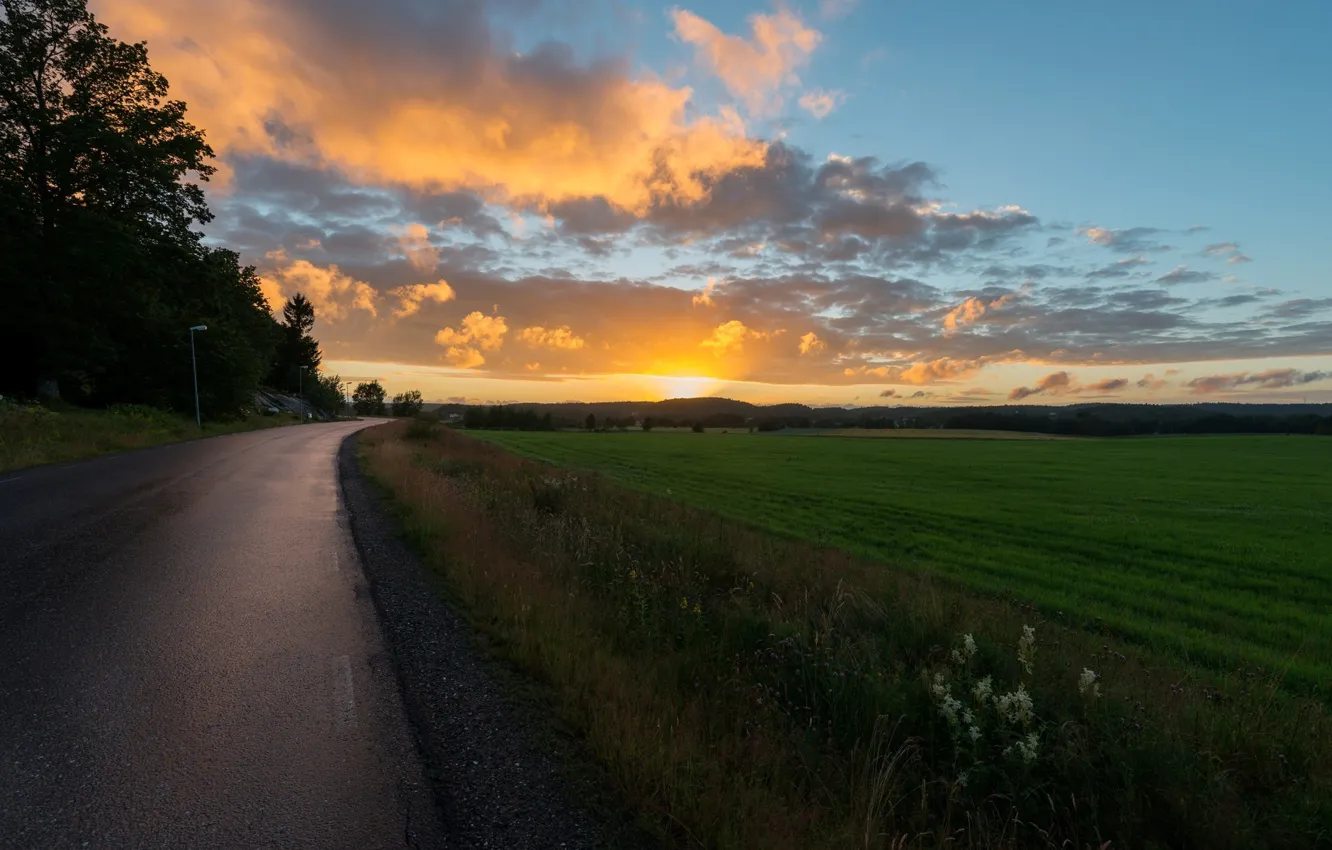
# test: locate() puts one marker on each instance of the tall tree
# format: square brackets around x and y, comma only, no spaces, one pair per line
[296,348]
[95,168]
[368,399]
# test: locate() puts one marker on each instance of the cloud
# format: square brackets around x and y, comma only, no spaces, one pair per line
[560,338]
[1152,383]
[971,310]
[1235,256]
[414,242]
[412,296]
[888,394]
[810,342]
[477,333]
[1133,240]
[1119,268]
[833,9]
[821,102]
[752,69]
[1272,379]
[1054,383]
[729,337]
[334,294]
[704,298]
[925,371]
[964,314]
[1109,385]
[427,95]
[1183,274]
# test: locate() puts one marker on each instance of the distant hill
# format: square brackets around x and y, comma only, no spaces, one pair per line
[1107,418]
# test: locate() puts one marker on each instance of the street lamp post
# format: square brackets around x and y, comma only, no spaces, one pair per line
[194,367]
[300,391]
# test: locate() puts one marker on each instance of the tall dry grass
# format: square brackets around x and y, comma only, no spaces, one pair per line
[751,692]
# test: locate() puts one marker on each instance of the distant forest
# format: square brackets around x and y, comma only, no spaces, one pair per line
[100,189]
[1086,420]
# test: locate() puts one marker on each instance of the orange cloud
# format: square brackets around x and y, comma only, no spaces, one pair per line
[414,242]
[411,297]
[302,83]
[333,294]
[561,338]
[704,298]
[821,103]
[729,337]
[971,310]
[963,314]
[1055,382]
[810,342]
[753,69]
[477,333]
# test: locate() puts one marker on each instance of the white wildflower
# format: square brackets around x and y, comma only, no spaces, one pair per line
[957,657]
[962,779]
[967,716]
[1027,747]
[1087,683]
[1016,707]
[974,732]
[939,688]
[949,708]
[969,647]
[984,690]
[1027,648]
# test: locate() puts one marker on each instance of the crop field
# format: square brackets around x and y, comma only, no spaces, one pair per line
[1215,549]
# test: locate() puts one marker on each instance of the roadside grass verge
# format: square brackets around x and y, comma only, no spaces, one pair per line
[752,691]
[32,435]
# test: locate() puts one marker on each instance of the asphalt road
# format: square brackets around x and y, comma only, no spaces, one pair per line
[189,656]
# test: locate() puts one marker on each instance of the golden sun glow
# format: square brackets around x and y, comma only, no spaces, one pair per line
[681,386]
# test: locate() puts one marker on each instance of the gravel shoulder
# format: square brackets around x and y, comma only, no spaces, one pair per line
[504,774]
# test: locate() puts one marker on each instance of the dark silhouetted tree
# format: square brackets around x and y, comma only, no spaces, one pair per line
[295,346]
[591,422]
[99,190]
[325,393]
[368,399]
[408,403]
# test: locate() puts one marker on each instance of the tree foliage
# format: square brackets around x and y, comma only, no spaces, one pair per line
[368,399]
[99,191]
[326,393]
[295,347]
[408,403]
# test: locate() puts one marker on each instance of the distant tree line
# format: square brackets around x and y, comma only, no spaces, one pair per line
[100,192]
[1085,423]
[504,417]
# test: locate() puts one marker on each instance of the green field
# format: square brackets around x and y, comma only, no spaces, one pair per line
[1218,549]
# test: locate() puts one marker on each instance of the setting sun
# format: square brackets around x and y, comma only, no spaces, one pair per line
[681,386]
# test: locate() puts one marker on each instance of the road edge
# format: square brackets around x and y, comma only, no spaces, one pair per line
[496,779]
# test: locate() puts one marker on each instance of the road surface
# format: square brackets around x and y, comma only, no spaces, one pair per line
[189,656]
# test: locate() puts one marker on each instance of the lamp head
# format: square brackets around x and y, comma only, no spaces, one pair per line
[199,328]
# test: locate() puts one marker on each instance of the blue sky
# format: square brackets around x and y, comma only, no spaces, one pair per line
[834,202]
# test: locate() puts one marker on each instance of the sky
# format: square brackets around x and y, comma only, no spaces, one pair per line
[848,202]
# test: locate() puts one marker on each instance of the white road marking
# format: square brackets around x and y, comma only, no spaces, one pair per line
[344,697]
[7,480]
[335,561]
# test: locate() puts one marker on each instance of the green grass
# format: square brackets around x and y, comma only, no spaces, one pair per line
[32,435]
[1215,549]
[745,689]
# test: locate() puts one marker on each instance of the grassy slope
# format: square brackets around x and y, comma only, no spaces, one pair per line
[36,436]
[747,690]
[1213,546]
